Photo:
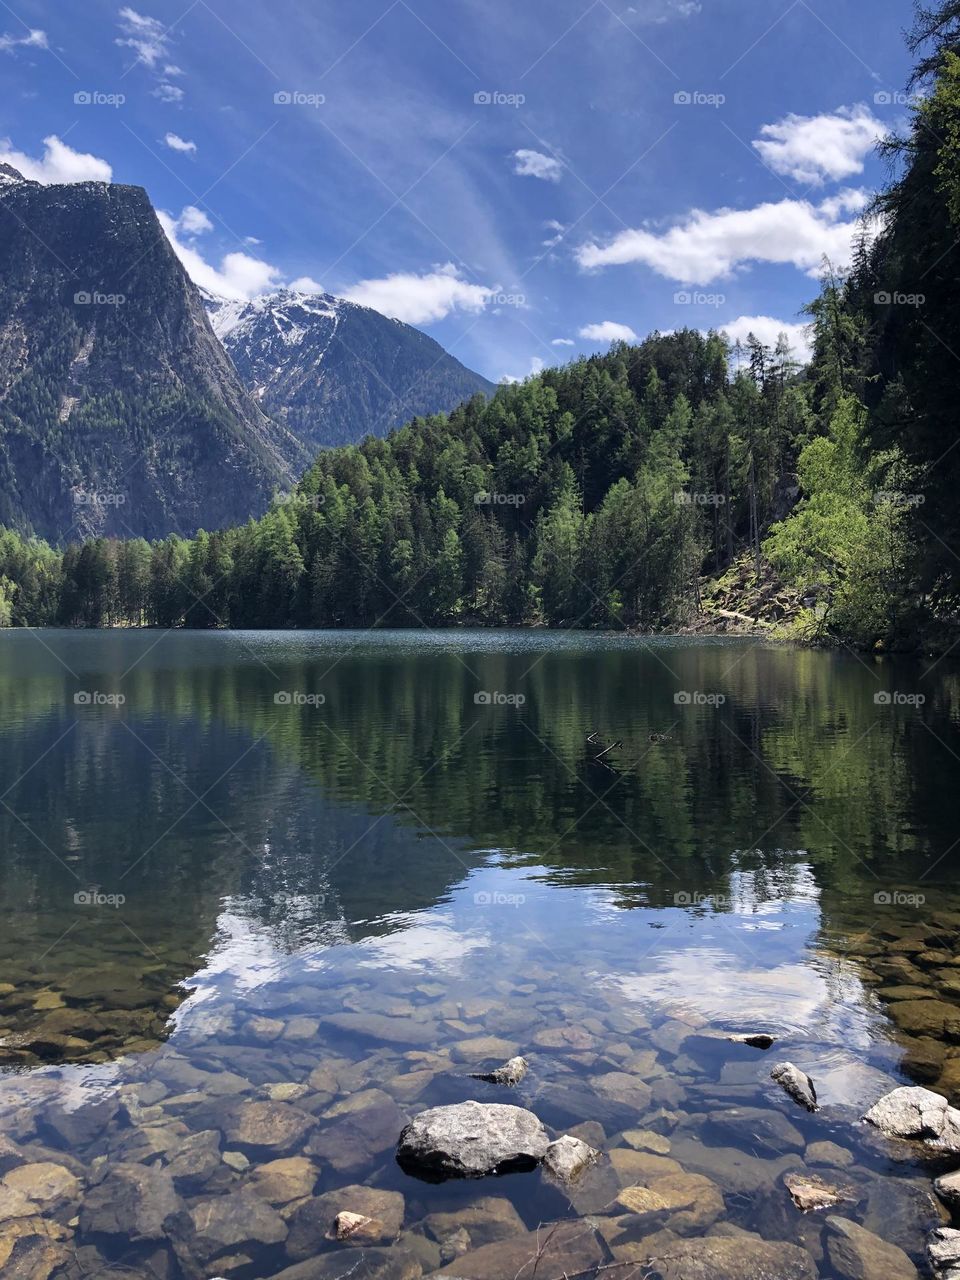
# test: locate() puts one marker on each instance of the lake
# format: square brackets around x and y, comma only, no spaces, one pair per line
[266,896]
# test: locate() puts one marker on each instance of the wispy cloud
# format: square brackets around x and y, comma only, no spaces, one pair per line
[148,37]
[35,39]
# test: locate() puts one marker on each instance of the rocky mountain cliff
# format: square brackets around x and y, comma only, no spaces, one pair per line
[333,372]
[120,412]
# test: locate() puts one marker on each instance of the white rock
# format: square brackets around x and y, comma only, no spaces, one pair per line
[567,1158]
[471,1139]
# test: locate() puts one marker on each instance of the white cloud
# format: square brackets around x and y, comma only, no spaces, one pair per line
[176,143]
[148,37]
[767,330]
[536,366]
[238,276]
[32,40]
[59,163]
[421,299]
[172,70]
[710,246]
[305,284]
[562,342]
[193,221]
[534,164]
[608,331]
[849,200]
[815,149]
[167,92]
[660,11]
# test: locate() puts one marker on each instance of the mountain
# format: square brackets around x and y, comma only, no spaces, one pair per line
[120,412]
[332,371]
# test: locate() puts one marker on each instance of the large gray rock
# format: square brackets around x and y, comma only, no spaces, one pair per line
[858,1254]
[943,1252]
[471,1139]
[921,1114]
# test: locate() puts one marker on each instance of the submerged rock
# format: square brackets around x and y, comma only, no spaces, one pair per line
[315,1221]
[356,1228]
[809,1191]
[755,1039]
[510,1073]
[549,1253]
[734,1258]
[470,1139]
[240,1221]
[858,1254]
[796,1084]
[132,1201]
[275,1127]
[921,1114]
[567,1158]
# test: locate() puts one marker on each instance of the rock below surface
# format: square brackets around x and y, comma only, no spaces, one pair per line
[914,1112]
[567,1158]
[132,1201]
[857,1254]
[736,1258]
[315,1220]
[239,1221]
[274,1127]
[471,1139]
[550,1253]
[809,1192]
[796,1084]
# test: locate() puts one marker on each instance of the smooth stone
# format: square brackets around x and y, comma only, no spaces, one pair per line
[564,1039]
[903,992]
[808,1191]
[754,1126]
[378,1026]
[796,1084]
[858,1254]
[485,1220]
[238,1220]
[301,1028]
[627,1089]
[286,1091]
[551,1253]
[280,1181]
[925,1017]
[732,1258]
[196,1160]
[366,1264]
[409,1087]
[235,1160]
[45,1183]
[314,1221]
[567,1158]
[647,1140]
[276,1127]
[470,1139]
[483,1047]
[352,1141]
[360,1101]
[132,1201]
[641,1200]
[78,1129]
[264,1029]
[15,1204]
[641,1166]
[735,1170]
[693,1201]
[828,1153]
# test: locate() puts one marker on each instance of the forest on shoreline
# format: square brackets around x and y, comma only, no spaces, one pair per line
[612,492]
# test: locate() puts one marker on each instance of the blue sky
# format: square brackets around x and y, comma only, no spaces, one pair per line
[521,180]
